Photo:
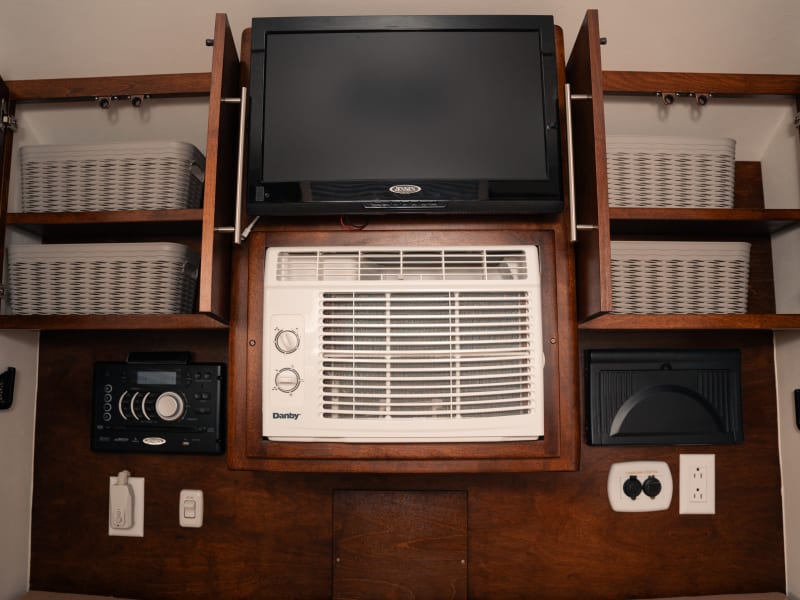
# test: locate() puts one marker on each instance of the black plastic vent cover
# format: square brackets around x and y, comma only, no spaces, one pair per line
[663,397]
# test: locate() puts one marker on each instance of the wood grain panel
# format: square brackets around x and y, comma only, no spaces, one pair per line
[558,450]
[6,135]
[716,84]
[90,88]
[219,197]
[398,544]
[270,535]
[593,249]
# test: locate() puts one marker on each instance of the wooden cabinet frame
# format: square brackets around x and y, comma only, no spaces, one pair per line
[199,224]
[560,448]
[557,451]
[748,220]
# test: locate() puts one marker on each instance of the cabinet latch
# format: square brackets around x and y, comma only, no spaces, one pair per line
[7,120]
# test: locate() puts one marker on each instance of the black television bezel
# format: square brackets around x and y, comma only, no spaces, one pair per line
[495,196]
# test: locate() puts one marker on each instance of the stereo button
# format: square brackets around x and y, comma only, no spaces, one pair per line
[169,406]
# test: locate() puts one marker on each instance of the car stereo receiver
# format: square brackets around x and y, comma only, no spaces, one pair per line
[158,402]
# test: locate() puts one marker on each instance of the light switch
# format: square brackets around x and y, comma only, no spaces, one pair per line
[190,508]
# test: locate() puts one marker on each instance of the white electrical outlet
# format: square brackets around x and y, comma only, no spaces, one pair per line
[126,519]
[640,486]
[697,484]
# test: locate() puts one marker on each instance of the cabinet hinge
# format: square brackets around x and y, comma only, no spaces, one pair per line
[797,120]
[7,120]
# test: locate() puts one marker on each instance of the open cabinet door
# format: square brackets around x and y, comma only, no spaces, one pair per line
[593,246]
[5,164]
[220,201]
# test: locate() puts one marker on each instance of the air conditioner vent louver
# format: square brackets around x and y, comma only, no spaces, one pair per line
[378,344]
[436,354]
[387,265]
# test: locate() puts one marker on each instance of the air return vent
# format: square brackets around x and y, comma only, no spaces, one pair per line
[405,265]
[414,344]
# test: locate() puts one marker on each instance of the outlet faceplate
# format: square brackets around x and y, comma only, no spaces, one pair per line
[640,486]
[697,484]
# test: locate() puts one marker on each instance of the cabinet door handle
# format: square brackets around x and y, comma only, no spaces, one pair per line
[573,217]
[573,227]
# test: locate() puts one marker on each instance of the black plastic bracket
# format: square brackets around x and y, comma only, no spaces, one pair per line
[7,388]
[164,358]
[797,407]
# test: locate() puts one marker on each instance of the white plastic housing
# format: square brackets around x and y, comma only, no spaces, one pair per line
[388,344]
[641,470]
[137,530]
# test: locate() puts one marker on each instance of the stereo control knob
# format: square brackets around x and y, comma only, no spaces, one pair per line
[169,406]
[287,380]
[287,341]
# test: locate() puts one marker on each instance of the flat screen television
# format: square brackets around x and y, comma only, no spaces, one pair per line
[386,114]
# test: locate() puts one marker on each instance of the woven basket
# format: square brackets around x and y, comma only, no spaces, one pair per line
[117,176]
[670,172]
[101,279]
[679,277]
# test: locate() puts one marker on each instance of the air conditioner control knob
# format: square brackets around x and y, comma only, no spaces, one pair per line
[287,341]
[287,380]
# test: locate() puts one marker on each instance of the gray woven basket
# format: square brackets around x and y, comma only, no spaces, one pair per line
[670,172]
[117,176]
[101,279]
[679,277]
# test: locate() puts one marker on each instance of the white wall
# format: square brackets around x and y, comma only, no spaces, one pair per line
[18,350]
[53,38]
[787,346]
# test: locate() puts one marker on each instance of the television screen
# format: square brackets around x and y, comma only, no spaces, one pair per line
[357,114]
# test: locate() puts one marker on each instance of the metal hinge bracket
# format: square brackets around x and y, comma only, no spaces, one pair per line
[7,120]
[797,120]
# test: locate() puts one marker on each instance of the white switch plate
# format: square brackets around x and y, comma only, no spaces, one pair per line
[639,470]
[190,508]
[697,484]
[137,483]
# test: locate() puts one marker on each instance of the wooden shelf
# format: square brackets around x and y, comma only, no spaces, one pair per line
[708,222]
[648,83]
[111,322]
[610,322]
[80,224]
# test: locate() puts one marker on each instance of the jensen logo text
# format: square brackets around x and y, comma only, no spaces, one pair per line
[406,188]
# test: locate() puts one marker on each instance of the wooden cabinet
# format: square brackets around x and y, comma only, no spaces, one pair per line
[751,219]
[197,228]
[557,451]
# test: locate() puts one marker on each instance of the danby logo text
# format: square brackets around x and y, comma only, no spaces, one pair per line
[289,415]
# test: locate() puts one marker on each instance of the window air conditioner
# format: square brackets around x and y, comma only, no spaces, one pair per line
[375,344]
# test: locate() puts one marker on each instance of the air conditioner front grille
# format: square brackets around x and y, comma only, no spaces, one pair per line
[401,265]
[445,354]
